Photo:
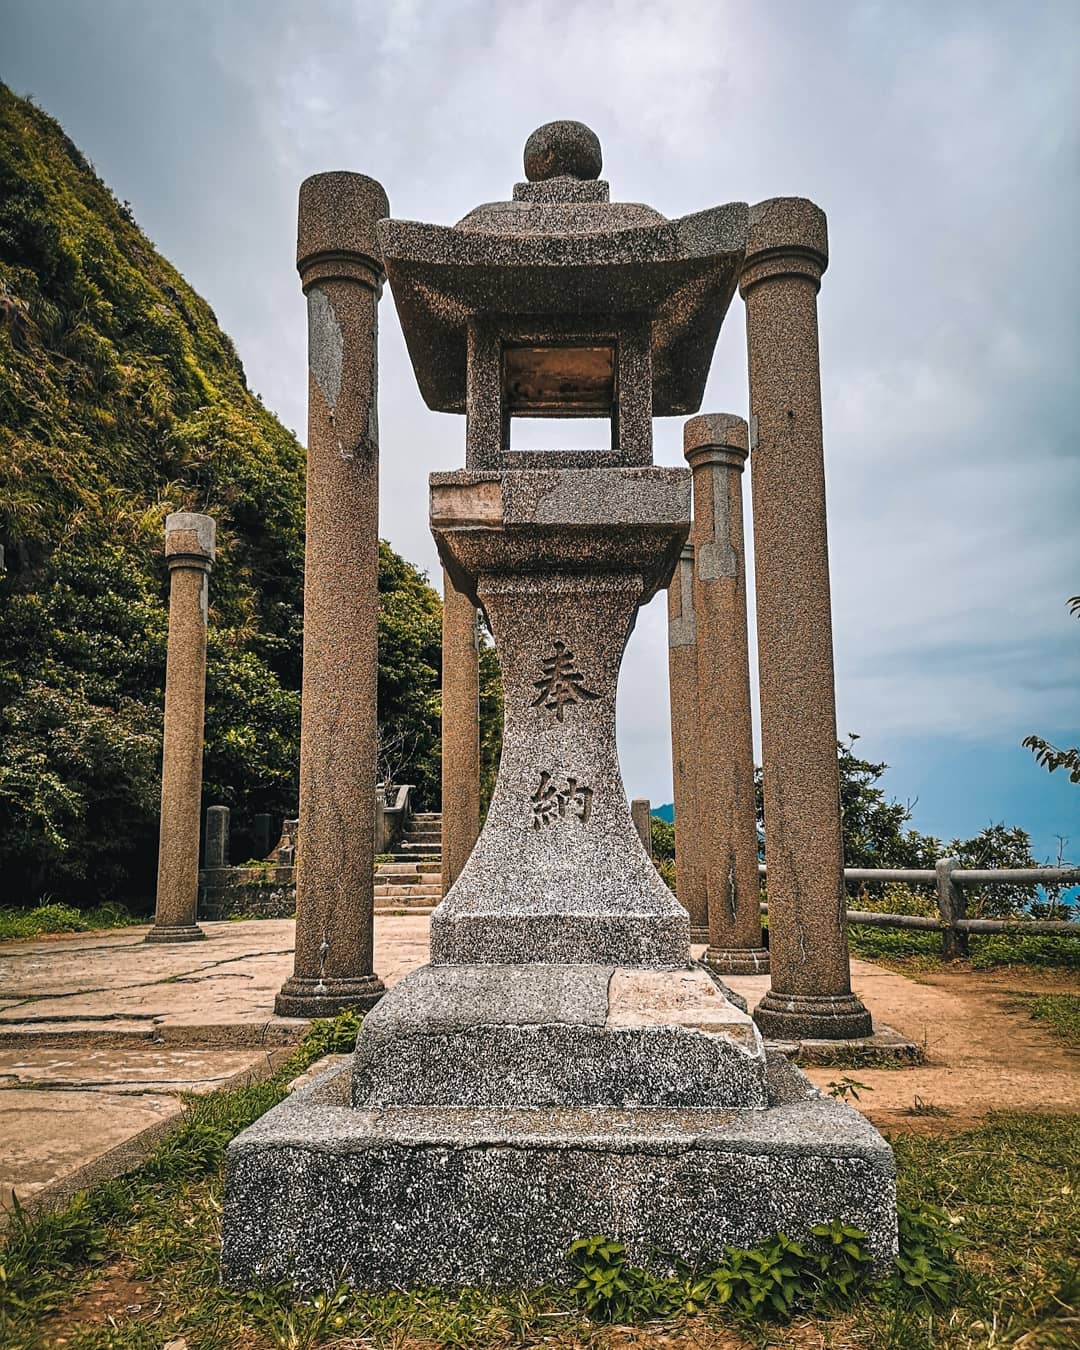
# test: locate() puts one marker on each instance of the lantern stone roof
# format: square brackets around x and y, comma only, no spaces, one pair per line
[561,250]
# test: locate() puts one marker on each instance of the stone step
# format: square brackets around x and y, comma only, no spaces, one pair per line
[411,906]
[423,836]
[429,817]
[408,869]
[429,893]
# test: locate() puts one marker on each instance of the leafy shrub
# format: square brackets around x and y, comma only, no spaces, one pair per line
[610,1289]
[895,898]
[987,951]
[663,839]
[774,1280]
[924,1266]
[62,918]
[55,918]
[336,1036]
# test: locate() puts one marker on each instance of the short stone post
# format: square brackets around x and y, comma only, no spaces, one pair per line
[380,819]
[189,552]
[460,732]
[682,679]
[811,976]
[216,846]
[952,905]
[341,272]
[716,448]
[641,814]
[263,843]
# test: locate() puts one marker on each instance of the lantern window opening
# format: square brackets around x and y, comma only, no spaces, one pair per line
[572,382]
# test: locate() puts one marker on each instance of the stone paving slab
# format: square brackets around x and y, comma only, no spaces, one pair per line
[49,1135]
[124,1069]
[63,1113]
[93,987]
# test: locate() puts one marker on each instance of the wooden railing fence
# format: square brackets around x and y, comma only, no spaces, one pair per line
[949,879]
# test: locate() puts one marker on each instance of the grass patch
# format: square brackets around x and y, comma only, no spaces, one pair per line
[1060,1012]
[906,950]
[60,918]
[1008,1191]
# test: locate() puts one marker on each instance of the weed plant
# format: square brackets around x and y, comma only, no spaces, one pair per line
[1060,1013]
[987,951]
[56,917]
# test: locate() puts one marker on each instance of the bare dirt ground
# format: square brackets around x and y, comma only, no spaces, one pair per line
[982,1053]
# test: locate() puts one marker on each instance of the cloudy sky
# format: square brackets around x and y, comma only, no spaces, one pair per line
[940,138]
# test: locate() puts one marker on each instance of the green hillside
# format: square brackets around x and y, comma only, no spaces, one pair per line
[122,400]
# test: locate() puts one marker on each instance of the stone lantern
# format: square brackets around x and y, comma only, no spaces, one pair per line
[561,1067]
[561,304]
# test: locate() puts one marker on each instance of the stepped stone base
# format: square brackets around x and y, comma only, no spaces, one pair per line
[318,1190]
[553,1036]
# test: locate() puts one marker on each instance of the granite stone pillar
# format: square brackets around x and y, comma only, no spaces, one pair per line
[262,835]
[683,677]
[641,814]
[342,275]
[460,732]
[189,552]
[216,843]
[810,994]
[716,447]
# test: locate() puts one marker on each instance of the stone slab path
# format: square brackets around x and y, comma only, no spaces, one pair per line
[100,1034]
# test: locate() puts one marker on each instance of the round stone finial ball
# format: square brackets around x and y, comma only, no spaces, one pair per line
[562,150]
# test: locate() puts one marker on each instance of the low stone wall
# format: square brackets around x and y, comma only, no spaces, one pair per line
[266,892]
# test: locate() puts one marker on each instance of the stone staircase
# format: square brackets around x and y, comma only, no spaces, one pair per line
[412,882]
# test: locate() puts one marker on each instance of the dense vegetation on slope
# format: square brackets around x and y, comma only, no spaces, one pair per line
[122,400]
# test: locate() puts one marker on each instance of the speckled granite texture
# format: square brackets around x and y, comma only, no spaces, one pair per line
[560,1068]
[189,552]
[685,743]
[558,1035]
[563,256]
[317,1191]
[337,256]
[716,447]
[460,732]
[560,562]
[810,994]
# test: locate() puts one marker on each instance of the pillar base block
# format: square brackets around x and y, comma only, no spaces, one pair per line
[737,960]
[188,932]
[303,996]
[796,1017]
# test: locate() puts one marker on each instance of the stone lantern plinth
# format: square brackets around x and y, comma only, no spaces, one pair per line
[561,1067]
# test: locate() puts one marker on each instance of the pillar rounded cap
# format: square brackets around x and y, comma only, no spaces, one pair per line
[716,437]
[190,539]
[337,215]
[786,223]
